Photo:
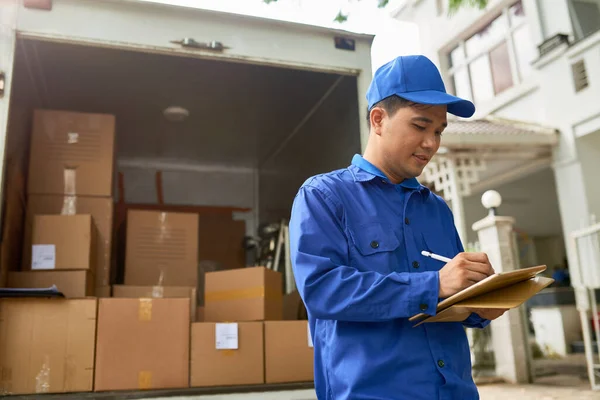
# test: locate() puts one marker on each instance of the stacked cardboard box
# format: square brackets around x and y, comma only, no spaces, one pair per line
[68,224]
[152,311]
[47,345]
[243,340]
[142,344]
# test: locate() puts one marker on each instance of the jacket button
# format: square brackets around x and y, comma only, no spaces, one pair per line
[375,244]
[415,264]
[423,307]
[441,363]
[407,221]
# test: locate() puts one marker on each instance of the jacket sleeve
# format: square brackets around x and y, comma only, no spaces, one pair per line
[474,320]
[330,287]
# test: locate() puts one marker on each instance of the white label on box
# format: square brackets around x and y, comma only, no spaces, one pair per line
[226,336]
[43,256]
[310,342]
[73,137]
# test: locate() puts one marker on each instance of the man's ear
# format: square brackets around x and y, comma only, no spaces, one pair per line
[376,117]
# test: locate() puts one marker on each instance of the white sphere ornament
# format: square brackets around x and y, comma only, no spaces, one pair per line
[491,199]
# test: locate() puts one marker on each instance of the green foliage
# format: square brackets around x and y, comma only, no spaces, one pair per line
[453,6]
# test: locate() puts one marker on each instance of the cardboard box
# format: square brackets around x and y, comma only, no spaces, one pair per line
[166,292]
[161,242]
[293,307]
[103,291]
[289,355]
[246,294]
[243,365]
[101,210]
[54,336]
[71,153]
[63,242]
[72,284]
[200,314]
[142,344]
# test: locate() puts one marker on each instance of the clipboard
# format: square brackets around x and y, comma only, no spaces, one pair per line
[504,290]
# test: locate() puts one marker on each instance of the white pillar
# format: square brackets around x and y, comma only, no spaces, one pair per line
[509,338]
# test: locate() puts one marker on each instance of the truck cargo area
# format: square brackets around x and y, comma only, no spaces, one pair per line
[254,133]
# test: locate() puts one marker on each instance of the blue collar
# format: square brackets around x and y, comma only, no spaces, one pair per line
[365,171]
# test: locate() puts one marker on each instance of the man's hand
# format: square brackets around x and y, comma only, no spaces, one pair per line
[463,271]
[488,313]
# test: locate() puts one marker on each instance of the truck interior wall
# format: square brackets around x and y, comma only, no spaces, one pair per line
[239,115]
[326,142]
[24,98]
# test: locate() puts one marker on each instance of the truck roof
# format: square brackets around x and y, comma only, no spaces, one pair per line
[255,19]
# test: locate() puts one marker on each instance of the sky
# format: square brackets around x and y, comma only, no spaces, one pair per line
[392,37]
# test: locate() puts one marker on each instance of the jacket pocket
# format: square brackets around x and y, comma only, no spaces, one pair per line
[374,247]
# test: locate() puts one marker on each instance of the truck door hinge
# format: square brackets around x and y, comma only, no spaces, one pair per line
[2,83]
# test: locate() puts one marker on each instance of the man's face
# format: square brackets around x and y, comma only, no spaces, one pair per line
[409,138]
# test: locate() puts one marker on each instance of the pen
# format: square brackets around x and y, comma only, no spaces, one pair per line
[435,256]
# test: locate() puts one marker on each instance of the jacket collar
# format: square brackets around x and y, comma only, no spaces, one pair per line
[364,171]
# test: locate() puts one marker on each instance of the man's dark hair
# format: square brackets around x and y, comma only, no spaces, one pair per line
[390,105]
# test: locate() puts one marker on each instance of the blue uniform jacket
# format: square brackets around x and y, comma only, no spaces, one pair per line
[356,242]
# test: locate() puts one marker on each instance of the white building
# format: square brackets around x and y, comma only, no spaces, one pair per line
[533,70]
[532,67]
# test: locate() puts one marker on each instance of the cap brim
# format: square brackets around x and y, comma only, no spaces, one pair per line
[457,106]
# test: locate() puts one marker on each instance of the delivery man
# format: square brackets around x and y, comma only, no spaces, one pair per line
[356,240]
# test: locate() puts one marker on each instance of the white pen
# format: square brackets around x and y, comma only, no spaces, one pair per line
[435,256]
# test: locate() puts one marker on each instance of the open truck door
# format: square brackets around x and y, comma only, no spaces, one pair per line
[8,24]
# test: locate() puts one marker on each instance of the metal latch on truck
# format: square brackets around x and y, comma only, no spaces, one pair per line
[192,43]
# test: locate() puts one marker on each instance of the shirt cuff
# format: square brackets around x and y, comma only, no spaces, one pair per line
[475,321]
[424,292]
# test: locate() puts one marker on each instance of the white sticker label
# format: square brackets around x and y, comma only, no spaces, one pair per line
[43,256]
[310,342]
[73,137]
[226,336]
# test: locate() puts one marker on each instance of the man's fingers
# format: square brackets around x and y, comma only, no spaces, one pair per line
[476,257]
[481,268]
[475,277]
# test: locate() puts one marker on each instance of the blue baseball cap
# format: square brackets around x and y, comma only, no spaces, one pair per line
[417,79]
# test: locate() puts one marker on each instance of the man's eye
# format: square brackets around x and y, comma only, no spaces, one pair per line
[419,127]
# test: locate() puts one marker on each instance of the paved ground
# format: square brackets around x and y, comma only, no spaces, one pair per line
[557,387]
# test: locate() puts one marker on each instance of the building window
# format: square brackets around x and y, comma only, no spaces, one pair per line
[585,17]
[495,58]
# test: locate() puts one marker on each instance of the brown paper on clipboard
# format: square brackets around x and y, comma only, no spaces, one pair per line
[504,290]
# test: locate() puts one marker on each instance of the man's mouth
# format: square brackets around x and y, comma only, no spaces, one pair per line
[421,157]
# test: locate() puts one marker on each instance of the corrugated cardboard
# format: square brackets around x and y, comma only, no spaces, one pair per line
[103,291]
[72,236]
[101,210]
[200,314]
[288,355]
[293,307]
[71,153]
[134,292]
[242,366]
[228,252]
[142,344]
[53,333]
[72,284]
[161,242]
[246,294]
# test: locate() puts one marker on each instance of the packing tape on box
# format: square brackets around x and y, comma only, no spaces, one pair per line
[241,294]
[145,380]
[158,291]
[70,199]
[145,310]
